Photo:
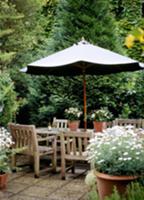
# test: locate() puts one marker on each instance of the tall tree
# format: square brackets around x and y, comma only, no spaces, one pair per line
[10,19]
[19,34]
[49,12]
[89,19]
[20,30]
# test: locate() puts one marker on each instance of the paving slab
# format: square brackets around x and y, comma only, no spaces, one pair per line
[23,186]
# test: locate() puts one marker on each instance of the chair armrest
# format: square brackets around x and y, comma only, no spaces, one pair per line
[51,141]
[49,138]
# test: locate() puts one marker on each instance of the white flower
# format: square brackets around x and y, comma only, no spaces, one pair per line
[129,126]
[113,148]
[118,150]
[125,153]
[73,113]
[102,114]
[101,161]
[129,158]
[5,144]
[93,115]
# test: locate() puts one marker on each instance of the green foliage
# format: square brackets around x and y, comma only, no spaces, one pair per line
[20,31]
[117,8]
[50,96]
[132,12]
[47,97]
[91,20]
[128,17]
[93,195]
[114,196]
[132,17]
[135,192]
[7,99]
[49,12]
[125,113]
[21,40]
[9,19]
[123,9]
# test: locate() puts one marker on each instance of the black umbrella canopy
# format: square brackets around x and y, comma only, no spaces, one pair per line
[81,59]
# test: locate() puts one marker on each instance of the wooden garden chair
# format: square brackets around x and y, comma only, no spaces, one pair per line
[60,124]
[25,136]
[73,147]
[137,123]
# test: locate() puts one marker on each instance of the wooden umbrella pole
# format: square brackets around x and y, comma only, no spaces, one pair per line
[85,101]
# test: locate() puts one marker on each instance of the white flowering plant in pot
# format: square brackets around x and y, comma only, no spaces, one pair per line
[118,151]
[73,113]
[101,115]
[5,150]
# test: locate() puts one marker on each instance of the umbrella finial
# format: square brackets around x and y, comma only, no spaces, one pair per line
[83,41]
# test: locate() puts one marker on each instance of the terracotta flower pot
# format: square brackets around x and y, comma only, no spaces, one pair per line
[106,184]
[99,126]
[73,125]
[3,181]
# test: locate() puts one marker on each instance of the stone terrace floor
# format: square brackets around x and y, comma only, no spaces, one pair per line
[23,186]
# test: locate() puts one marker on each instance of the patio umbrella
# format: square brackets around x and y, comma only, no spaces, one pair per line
[81,59]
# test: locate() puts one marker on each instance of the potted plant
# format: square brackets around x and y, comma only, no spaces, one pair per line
[5,152]
[100,117]
[117,156]
[73,114]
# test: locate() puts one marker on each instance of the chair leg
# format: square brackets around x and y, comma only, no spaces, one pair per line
[36,165]
[31,161]
[13,162]
[54,156]
[54,162]
[63,168]
[73,167]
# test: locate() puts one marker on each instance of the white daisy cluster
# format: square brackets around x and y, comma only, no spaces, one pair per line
[73,113]
[5,139]
[5,150]
[102,114]
[118,151]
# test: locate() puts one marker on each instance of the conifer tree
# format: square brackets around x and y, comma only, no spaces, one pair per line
[89,19]
[9,18]
[20,31]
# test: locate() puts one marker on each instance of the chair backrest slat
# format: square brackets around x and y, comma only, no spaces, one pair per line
[68,146]
[74,143]
[24,136]
[80,146]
